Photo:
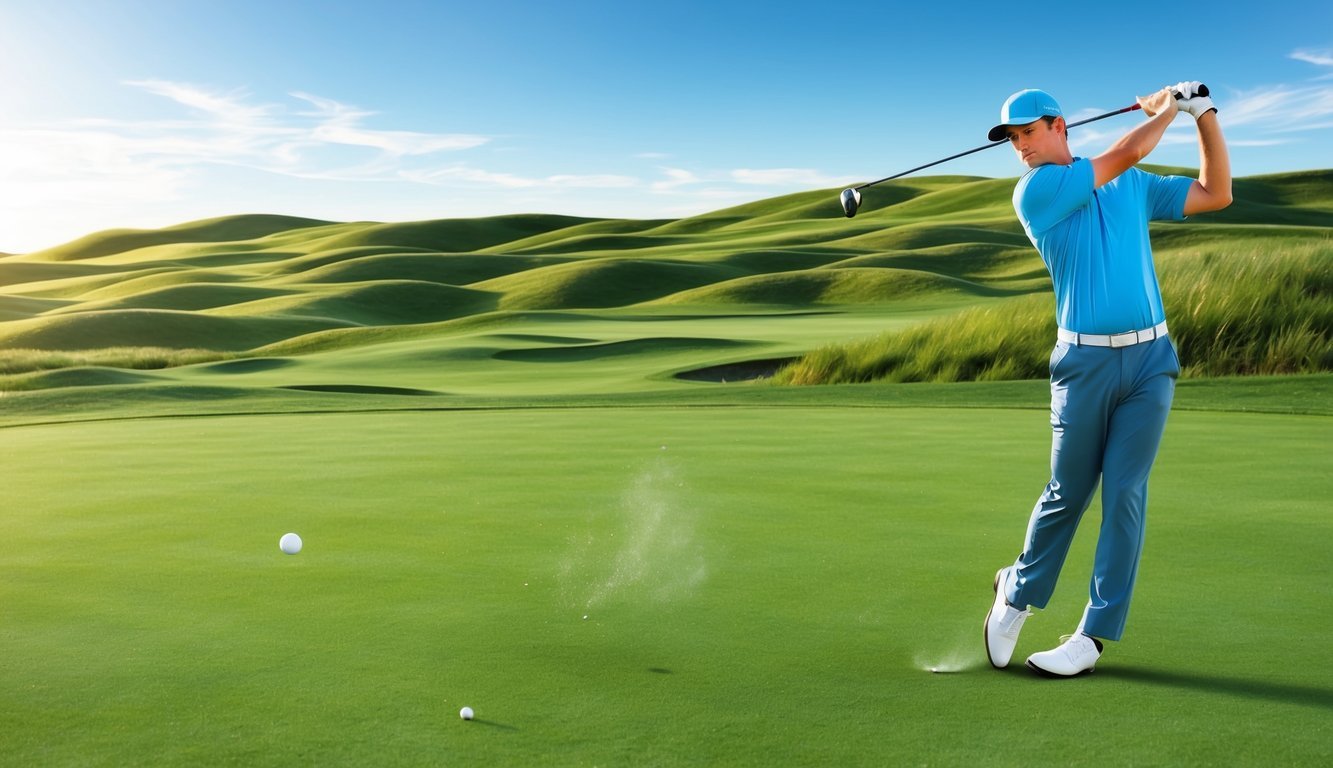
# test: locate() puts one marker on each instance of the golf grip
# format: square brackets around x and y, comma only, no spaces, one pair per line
[1203,91]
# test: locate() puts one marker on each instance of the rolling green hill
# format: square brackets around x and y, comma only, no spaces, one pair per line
[774,278]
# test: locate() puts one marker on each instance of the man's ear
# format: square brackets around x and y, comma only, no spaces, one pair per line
[1060,127]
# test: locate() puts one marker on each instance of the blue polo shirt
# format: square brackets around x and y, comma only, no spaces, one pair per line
[1094,241]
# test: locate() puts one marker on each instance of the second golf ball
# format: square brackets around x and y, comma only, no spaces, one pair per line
[290,543]
[465,713]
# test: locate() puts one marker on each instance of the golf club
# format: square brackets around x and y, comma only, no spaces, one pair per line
[851,197]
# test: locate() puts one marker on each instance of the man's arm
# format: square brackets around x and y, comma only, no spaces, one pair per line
[1212,192]
[1135,145]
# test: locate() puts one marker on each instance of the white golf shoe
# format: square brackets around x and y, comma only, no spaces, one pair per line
[1075,656]
[1003,624]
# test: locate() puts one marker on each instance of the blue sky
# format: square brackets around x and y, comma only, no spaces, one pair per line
[147,113]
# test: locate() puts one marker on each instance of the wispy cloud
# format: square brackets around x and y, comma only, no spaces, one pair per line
[1282,108]
[675,178]
[340,124]
[1321,58]
[198,157]
[775,179]
[1259,117]
[330,140]
[462,174]
[783,177]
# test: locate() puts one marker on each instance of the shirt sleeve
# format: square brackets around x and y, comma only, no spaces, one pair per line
[1166,196]
[1046,195]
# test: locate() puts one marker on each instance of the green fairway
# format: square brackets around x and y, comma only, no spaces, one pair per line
[761,586]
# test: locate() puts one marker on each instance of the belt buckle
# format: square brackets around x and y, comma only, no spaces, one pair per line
[1127,339]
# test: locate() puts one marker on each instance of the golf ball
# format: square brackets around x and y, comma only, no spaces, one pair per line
[465,713]
[290,543]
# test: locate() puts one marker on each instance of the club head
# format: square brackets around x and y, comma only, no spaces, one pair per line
[851,200]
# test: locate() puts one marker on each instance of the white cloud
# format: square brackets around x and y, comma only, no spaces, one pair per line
[1258,142]
[675,177]
[777,180]
[462,174]
[98,172]
[1322,58]
[207,156]
[783,177]
[1253,118]
[340,124]
[228,107]
[1283,108]
[222,128]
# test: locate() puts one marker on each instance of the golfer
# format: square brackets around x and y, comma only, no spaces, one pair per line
[1113,369]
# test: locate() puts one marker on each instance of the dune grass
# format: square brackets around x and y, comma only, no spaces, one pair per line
[134,358]
[1230,312]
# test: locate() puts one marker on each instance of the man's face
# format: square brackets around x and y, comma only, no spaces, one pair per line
[1038,143]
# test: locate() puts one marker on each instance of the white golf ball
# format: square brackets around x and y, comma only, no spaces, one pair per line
[465,713]
[290,543]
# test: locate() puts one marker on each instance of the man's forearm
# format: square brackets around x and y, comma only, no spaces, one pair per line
[1214,161]
[1143,139]
[1212,192]
[1132,147]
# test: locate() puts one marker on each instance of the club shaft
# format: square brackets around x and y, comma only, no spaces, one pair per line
[1121,111]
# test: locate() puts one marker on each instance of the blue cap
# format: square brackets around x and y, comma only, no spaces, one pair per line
[1022,108]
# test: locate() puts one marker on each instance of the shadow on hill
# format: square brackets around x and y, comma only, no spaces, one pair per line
[249,365]
[748,370]
[363,389]
[79,377]
[581,352]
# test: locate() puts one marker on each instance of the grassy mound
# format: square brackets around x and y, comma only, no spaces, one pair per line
[601,283]
[383,302]
[849,285]
[74,377]
[190,297]
[153,328]
[206,231]
[453,235]
[272,285]
[450,269]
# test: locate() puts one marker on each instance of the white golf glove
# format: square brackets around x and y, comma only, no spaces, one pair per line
[1189,100]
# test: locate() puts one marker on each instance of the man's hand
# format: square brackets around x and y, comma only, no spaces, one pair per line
[1156,103]
[1189,99]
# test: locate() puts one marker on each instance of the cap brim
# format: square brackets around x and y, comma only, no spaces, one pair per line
[1001,132]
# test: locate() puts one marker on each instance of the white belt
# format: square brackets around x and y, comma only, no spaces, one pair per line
[1126,339]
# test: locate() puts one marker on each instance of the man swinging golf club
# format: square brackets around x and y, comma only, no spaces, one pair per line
[1113,369]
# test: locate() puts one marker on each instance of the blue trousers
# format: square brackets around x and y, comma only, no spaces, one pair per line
[1108,411]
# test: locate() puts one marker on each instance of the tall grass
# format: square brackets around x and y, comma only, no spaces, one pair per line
[1230,312]
[1252,312]
[14,361]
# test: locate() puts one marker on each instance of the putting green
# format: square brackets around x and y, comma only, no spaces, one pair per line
[762,586]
